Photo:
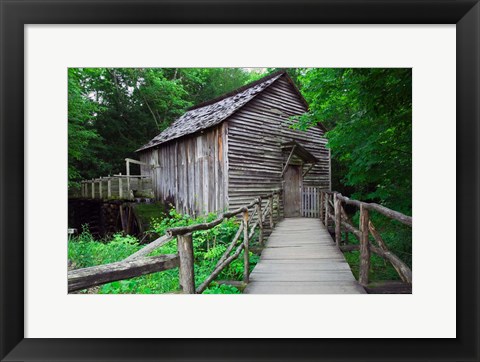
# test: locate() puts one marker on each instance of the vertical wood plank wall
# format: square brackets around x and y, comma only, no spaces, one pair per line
[190,172]
[255,134]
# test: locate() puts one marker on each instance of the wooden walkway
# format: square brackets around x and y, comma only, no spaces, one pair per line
[301,258]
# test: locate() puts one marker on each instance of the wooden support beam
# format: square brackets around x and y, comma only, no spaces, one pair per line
[131,160]
[185,254]
[123,219]
[308,170]
[89,277]
[288,160]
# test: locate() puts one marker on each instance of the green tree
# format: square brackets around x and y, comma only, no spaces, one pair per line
[81,133]
[369,115]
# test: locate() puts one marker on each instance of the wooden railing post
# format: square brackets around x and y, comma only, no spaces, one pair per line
[186,271]
[100,184]
[260,221]
[271,211]
[276,202]
[93,189]
[128,176]
[338,219]
[277,210]
[120,187]
[364,246]
[109,187]
[246,257]
[321,206]
[326,210]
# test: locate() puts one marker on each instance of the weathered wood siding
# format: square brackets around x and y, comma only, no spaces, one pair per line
[190,172]
[255,134]
[227,166]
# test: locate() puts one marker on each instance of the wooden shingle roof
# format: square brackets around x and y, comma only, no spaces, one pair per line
[213,112]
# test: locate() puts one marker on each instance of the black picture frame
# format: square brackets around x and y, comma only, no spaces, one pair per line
[15,14]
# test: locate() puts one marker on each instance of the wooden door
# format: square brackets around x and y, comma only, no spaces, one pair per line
[292,192]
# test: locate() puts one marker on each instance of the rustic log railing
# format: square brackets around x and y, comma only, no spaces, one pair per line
[333,213]
[140,264]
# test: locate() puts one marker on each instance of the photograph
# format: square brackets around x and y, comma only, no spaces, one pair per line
[239,180]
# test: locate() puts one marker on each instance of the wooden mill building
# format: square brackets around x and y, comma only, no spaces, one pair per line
[222,153]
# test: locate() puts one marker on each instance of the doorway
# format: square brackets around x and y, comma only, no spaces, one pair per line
[292,191]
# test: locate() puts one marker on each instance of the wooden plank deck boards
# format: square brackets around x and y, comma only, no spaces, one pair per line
[301,258]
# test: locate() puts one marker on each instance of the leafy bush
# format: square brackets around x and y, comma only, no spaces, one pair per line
[221,289]
[85,251]
[209,246]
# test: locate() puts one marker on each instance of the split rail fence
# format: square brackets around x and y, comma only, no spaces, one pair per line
[253,216]
[333,210]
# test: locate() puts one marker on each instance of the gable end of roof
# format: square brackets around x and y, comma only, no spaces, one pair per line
[213,112]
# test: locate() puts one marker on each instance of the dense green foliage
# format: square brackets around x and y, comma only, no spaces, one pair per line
[368,113]
[81,133]
[209,245]
[114,111]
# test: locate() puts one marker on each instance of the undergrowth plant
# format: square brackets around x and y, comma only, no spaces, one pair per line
[397,237]
[208,245]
